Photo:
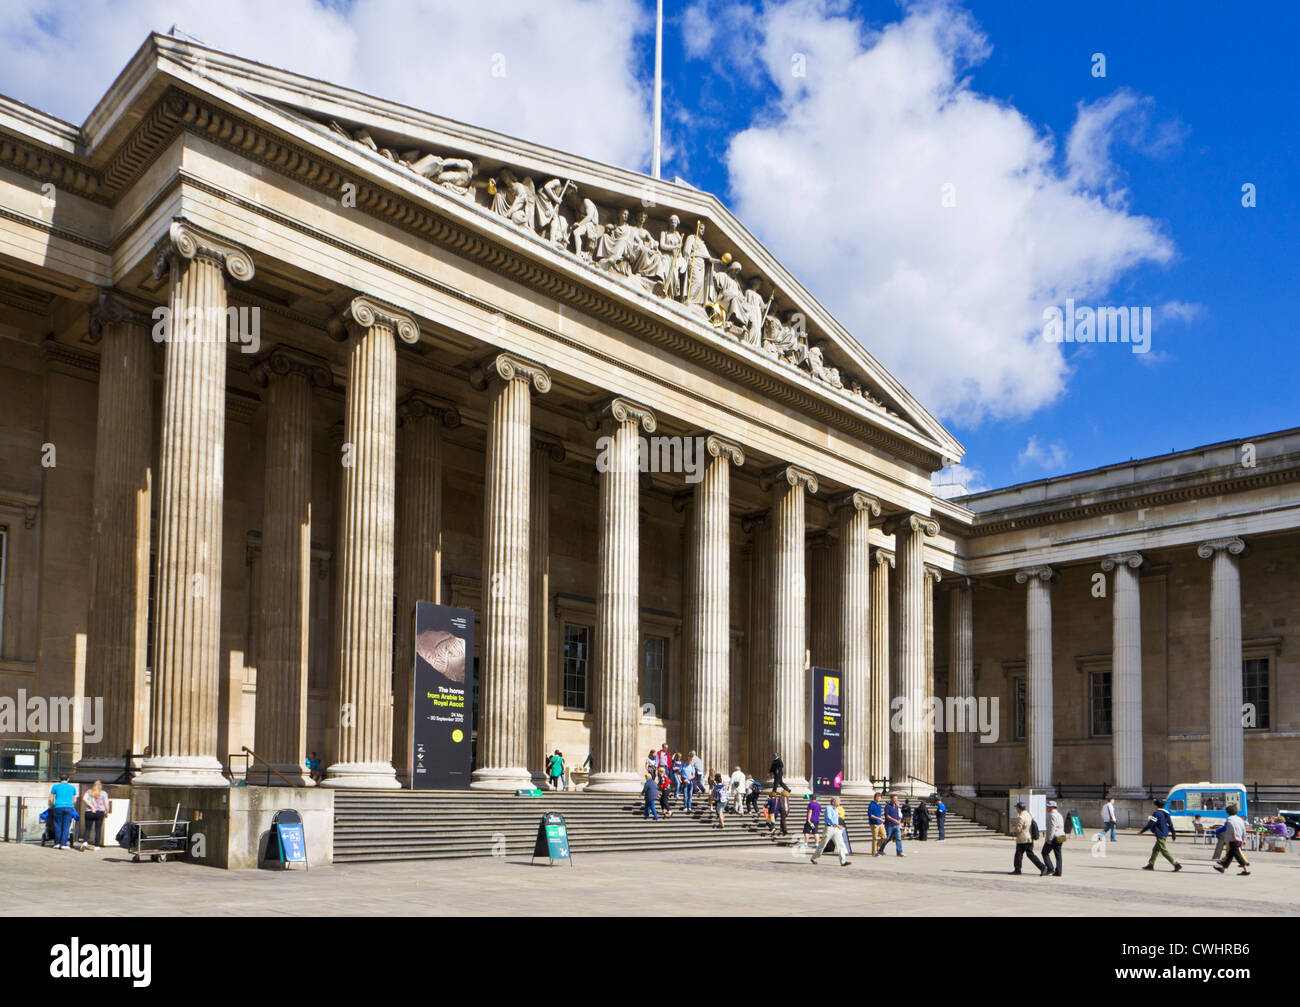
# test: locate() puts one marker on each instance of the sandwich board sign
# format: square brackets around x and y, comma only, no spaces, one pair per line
[552,839]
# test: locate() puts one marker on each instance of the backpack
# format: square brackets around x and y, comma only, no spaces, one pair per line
[1033,830]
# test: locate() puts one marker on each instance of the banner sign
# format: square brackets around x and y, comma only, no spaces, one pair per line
[828,731]
[552,839]
[442,732]
[293,844]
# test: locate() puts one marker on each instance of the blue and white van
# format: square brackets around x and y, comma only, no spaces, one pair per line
[1209,800]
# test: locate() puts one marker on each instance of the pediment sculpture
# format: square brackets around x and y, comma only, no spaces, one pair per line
[673,264]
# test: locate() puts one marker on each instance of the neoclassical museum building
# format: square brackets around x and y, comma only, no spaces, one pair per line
[279,360]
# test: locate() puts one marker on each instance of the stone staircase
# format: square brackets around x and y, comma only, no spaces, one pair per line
[432,825]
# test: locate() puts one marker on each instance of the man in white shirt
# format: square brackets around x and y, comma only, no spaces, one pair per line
[834,834]
[1234,831]
[738,784]
[1053,840]
[1108,819]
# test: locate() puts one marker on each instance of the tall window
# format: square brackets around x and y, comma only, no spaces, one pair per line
[1254,691]
[1100,703]
[653,652]
[1019,686]
[577,652]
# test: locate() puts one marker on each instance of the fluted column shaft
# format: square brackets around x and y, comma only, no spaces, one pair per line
[1038,674]
[1227,734]
[187,620]
[421,419]
[616,710]
[823,607]
[789,630]
[119,571]
[1126,673]
[758,719]
[546,451]
[280,729]
[709,713]
[364,690]
[915,769]
[503,682]
[855,632]
[961,685]
[878,767]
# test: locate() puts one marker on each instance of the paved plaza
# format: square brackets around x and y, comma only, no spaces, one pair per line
[955,878]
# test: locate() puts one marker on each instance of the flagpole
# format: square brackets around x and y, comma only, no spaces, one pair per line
[659,82]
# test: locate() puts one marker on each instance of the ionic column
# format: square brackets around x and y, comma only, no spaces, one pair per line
[616,711]
[421,419]
[1126,673]
[119,561]
[1038,673]
[855,631]
[914,772]
[502,757]
[961,685]
[1227,735]
[280,727]
[758,687]
[187,607]
[364,691]
[547,451]
[822,605]
[932,577]
[708,714]
[789,633]
[878,767]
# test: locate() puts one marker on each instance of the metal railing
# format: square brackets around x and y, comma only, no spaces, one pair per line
[250,758]
[1260,793]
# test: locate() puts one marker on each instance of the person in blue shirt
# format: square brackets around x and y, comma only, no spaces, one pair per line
[688,785]
[941,817]
[876,819]
[650,790]
[1161,826]
[893,828]
[834,834]
[63,809]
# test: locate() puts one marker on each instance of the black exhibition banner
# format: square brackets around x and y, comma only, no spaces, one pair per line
[828,731]
[444,654]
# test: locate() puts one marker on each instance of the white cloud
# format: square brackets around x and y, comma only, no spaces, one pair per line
[571,66]
[1181,311]
[958,480]
[1048,457]
[843,179]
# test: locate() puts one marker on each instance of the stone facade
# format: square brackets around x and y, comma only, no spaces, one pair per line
[406,365]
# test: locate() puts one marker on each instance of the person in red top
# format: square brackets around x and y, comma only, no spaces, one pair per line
[665,791]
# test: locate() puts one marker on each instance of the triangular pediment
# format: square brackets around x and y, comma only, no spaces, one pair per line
[619,224]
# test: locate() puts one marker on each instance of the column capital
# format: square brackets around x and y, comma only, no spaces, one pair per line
[882,556]
[791,475]
[858,500]
[281,361]
[621,410]
[364,311]
[1234,545]
[184,241]
[1043,573]
[959,582]
[934,573]
[510,367]
[911,523]
[418,404]
[1129,559]
[113,309]
[549,445]
[721,447]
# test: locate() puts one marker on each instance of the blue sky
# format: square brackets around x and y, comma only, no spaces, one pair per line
[936,173]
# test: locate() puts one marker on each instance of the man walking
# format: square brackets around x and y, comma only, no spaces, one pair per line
[940,817]
[777,769]
[650,790]
[1054,839]
[1234,831]
[813,819]
[893,828]
[1024,825]
[688,784]
[698,764]
[834,834]
[1108,818]
[876,819]
[1161,826]
[738,789]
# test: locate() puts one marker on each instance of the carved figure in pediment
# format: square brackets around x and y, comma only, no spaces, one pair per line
[755,312]
[728,296]
[515,199]
[455,174]
[551,221]
[649,262]
[670,246]
[821,370]
[587,228]
[696,283]
[615,250]
[782,340]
